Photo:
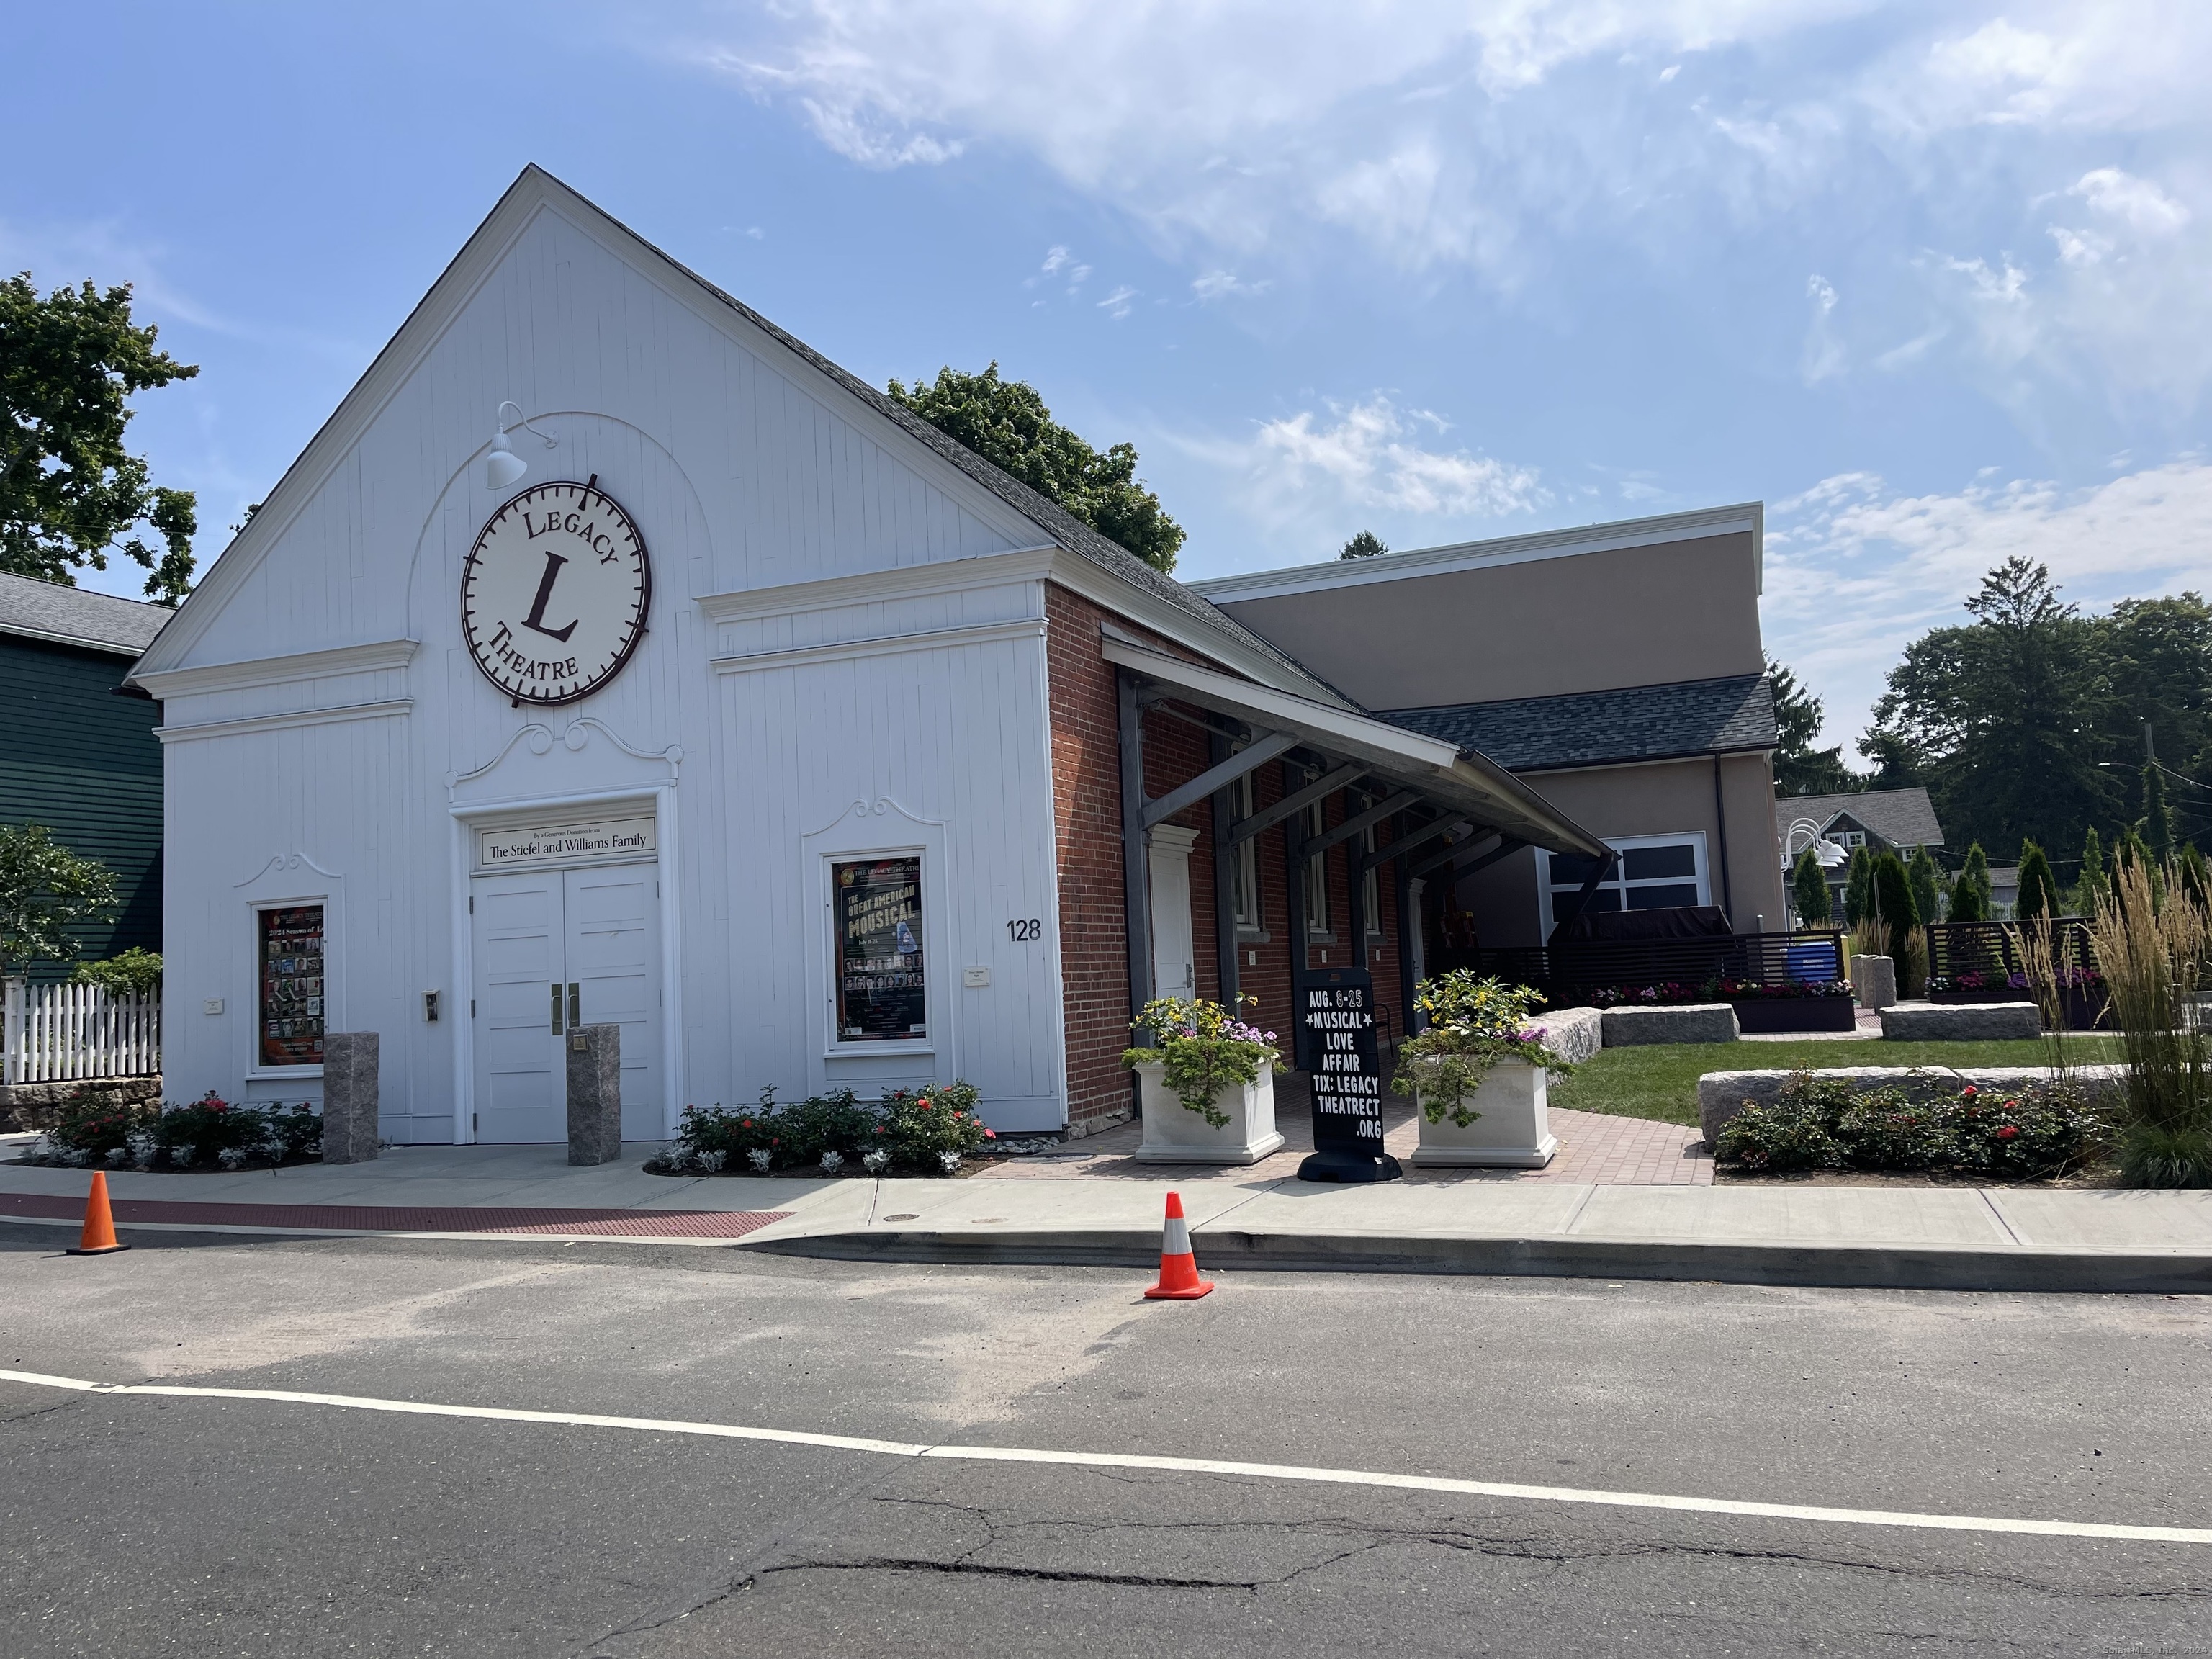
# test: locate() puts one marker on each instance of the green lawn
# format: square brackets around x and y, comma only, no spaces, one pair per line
[1661,1079]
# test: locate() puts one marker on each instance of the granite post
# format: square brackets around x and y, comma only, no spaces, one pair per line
[349,1097]
[1875,980]
[594,1055]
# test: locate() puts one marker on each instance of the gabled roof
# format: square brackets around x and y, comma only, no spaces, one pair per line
[1608,728]
[72,616]
[1904,817]
[535,186]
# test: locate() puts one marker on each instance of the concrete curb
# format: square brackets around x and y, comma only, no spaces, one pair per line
[1836,1266]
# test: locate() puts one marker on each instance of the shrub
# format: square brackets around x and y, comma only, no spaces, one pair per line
[1826,1123]
[913,1129]
[128,974]
[97,1122]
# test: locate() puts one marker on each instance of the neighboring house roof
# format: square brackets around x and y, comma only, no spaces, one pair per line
[71,616]
[1904,817]
[1605,728]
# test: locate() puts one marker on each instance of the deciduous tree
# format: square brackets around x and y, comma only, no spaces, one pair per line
[44,888]
[1006,422]
[70,493]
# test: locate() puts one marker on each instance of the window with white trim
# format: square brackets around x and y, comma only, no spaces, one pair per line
[1244,868]
[1653,873]
[1316,820]
[289,985]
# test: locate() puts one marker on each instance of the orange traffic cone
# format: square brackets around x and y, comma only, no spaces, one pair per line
[1179,1279]
[99,1235]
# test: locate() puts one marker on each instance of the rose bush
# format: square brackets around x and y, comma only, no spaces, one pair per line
[1818,1123]
[911,1130]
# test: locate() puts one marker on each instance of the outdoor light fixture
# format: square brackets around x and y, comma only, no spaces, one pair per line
[503,466]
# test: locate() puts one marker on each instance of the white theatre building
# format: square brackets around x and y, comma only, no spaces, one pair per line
[609,657]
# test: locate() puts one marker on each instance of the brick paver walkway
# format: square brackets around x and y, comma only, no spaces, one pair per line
[1600,1149]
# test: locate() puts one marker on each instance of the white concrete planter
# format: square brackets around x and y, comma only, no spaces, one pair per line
[1176,1134]
[1511,1132]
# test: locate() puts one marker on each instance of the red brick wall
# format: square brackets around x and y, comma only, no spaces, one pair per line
[1087,821]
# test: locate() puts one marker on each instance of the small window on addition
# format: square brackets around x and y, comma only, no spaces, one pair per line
[882,989]
[291,985]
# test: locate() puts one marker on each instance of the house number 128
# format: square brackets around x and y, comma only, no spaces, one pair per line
[1022,932]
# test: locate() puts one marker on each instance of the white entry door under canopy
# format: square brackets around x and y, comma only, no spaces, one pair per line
[556,948]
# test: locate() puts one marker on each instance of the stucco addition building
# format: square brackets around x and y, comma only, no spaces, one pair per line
[611,657]
[1616,668]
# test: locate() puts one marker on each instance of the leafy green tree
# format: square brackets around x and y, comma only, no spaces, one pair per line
[1897,764]
[1927,884]
[1893,892]
[1800,768]
[1858,887]
[44,888]
[2156,656]
[69,489]
[1809,887]
[1970,889]
[1365,545]
[2093,886]
[1006,422]
[2038,888]
[2003,713]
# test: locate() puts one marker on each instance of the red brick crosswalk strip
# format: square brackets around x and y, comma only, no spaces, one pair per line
[405,1218]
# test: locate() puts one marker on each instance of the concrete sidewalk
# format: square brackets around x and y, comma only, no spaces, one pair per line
[1941,1238]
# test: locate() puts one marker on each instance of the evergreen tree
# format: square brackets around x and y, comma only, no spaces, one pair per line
[1893,892]
[2091,888]
[2157,821]
[1920,870]
[1365,545]
[1858,887]
[2193,878]
[2038,888]
[1970,893]
[1809,886]
[2134,853]
[1800,768]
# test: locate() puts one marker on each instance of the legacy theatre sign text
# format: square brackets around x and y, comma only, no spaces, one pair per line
[567,843]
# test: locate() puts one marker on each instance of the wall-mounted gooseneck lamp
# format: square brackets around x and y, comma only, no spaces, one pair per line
[503,466]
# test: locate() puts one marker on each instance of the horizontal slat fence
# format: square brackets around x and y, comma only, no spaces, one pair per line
[1992,948]
[1595,964]
[65,1033]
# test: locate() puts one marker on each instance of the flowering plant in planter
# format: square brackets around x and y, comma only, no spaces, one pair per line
[1203,1049]
[1472,1024]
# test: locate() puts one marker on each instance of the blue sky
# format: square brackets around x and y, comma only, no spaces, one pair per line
[1933,282]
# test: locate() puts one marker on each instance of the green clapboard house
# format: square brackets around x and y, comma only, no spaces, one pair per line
[78,755]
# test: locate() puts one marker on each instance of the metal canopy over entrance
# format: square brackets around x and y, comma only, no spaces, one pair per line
[1450,810]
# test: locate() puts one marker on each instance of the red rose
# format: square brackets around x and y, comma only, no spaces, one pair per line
[1968,1090]
[990,1135]
[2008,1131]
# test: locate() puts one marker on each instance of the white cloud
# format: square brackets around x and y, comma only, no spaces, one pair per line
[1824,353]
[1368,456]
[1854,572]
[1225,284]
[2139,201]
[1116,304]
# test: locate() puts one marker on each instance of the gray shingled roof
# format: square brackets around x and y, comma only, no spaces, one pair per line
[50,610]
[1904,817]
[1597,728]
[1065,528]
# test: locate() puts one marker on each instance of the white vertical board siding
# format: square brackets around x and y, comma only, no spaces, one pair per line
[741,473]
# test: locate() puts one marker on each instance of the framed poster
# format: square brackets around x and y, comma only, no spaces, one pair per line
[289,993]
[875,918]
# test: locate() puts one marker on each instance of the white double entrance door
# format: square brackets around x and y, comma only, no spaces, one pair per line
[555,949]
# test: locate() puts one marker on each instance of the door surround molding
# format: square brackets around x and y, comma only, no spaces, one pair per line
[462,871]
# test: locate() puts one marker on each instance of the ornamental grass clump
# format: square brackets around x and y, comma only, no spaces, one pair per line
[1203,1049]
[1470,1025]
[2153,956]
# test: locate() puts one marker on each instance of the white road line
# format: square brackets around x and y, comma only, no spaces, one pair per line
[1637,1500]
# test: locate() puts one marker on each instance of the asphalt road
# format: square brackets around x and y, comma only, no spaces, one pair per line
[143,1525]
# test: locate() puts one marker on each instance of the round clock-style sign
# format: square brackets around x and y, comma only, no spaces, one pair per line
[554,593]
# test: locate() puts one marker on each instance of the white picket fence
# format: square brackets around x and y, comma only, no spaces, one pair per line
[59,1033]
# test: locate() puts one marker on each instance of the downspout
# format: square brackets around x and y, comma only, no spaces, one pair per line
[1720,822]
